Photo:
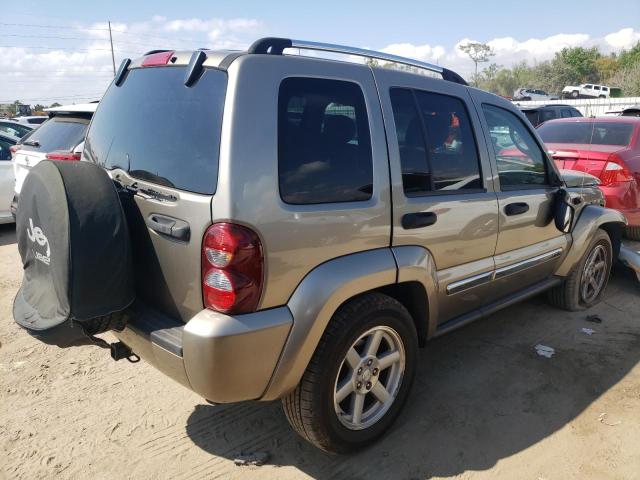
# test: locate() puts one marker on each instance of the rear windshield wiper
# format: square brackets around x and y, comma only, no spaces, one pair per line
[31,143]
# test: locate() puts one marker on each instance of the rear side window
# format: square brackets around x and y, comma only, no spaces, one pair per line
[58,133]
[324,146]
[159,130]
[533,116]
[566,113]
[597,133]
[519,159]
[437,148]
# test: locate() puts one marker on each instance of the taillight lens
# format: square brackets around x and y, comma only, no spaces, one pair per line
[13,149]
[157,59]
[68,156]
[615,171]
[232,267]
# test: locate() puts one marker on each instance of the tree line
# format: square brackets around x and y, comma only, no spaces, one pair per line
[570,66]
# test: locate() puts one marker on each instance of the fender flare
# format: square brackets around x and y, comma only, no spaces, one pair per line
[591,218]
[314,302]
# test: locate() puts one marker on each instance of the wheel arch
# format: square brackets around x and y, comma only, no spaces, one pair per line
[404,273]
[591,219]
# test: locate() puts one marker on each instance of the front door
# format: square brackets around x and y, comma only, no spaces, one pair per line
[529,244]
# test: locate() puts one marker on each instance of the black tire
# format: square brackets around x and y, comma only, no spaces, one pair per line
[632,233]
[568,295]
[310,407]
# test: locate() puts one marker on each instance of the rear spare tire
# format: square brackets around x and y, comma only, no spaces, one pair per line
[74,244]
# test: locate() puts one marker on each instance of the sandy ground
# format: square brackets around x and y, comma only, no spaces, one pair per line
[485,406]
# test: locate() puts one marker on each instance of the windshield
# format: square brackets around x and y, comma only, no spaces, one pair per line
[57,133]
[159,130]
[594,133]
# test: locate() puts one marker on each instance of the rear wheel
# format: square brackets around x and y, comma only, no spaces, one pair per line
[588,281]
[632,233]
[359,376]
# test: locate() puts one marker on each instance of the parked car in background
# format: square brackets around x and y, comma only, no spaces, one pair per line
[15,129]
[532,94]
[539,114]
[590,90]
[608,148]
[33,120]
[305,260]
[632,111]
[7,145]
[61,137]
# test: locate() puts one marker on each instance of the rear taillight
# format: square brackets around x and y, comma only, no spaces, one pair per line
[615,171]
[69,156]
[13,149]
[232,267]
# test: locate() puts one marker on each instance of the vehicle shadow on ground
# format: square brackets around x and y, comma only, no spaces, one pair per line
[481,394]
[7,234]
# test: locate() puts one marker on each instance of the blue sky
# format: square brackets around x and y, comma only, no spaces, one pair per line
[78,62]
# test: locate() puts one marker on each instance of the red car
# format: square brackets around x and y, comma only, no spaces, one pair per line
[608,148]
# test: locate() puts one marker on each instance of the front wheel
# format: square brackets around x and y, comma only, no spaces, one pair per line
[586,284]
[574,94]
[359,376]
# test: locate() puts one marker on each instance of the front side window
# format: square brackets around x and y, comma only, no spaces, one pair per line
[438,151]
[324,146]
[519,159]
[5,152]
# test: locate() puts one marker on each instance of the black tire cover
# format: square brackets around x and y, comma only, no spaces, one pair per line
[75,249]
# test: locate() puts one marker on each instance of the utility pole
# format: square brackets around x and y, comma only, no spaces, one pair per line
[113,59]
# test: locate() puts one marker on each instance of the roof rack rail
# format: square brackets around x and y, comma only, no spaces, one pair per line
[276,46]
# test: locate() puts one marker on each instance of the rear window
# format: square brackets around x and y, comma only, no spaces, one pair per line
[58,133]
[14,129]
[36,121]
[159,130]
[596,133]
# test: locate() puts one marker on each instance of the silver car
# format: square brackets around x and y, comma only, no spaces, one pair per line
[301,226]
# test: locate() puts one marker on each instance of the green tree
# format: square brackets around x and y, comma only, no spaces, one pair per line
[479,53]
[629,58]
[581,62]
[55,104]
[38,108]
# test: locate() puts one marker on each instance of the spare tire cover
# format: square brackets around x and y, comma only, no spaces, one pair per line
[75,249]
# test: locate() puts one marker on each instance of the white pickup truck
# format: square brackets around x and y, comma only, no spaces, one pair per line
[586,90]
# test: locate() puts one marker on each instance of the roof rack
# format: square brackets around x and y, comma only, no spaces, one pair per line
[276,46]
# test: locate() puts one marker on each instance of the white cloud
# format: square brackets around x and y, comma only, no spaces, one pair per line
[44,75]
[82,70]
[509,50]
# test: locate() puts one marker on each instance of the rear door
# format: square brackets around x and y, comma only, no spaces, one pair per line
[443,196]
[529,244]
[160,141]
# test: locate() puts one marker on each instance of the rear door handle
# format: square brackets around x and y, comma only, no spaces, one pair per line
[516,208]
[418,220]
[169,226]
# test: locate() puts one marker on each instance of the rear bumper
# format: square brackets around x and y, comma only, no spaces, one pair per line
[222,358]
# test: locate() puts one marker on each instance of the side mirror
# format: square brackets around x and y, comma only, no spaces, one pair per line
[564,211]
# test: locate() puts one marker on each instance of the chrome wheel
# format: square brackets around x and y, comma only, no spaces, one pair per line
[594,274]
[369,378]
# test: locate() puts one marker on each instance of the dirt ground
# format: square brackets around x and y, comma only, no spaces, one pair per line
[485,406]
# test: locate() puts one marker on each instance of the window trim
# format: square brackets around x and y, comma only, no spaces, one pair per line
[414,94]
[553,180]
[342,203]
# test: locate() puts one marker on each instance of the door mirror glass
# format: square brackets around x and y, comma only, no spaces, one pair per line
[564,211]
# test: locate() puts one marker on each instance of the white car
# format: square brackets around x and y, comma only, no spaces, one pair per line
[532,94]
[33,120]
[61,137]
[13,128]
[586,90]
[6,176]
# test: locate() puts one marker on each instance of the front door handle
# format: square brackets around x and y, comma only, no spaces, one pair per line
[418,220]
[169,226]
[516,208]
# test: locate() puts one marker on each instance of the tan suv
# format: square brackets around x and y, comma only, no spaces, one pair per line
[299,226]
